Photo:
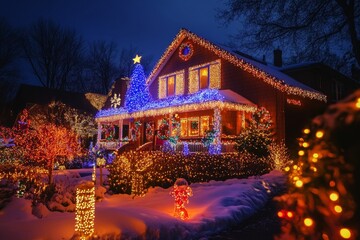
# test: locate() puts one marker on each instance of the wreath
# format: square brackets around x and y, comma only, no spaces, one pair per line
[164,130]
[135,130]
[149,131]
[186,51]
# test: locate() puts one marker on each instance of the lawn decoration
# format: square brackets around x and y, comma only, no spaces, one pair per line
[181,193]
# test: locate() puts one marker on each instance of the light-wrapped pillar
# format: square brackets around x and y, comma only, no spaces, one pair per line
[85,209]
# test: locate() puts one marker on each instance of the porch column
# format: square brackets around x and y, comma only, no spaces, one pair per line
[98,134]
[243,120]
[217,128]
[121,129]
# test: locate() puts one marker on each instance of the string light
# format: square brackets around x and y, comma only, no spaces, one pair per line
[334,196]
[338,208]
[85,210]
[301,153]
[202,100]
[235,60]
[345,233]
[319,134]
[357,103]
[308,222]
[299,183]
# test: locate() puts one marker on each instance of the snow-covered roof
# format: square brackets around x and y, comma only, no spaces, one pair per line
[202,100]
[269,75]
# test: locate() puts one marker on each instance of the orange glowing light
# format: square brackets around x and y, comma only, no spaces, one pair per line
[308,222]
[315,155]
[305,144]
[301,153]
[332,183]
[338,209]
[306,131]
[334,196]
[358,103]
[289,214]
[319,134]
[345,233]
[299,183]
[280,214]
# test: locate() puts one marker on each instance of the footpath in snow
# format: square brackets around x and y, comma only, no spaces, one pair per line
[213,208]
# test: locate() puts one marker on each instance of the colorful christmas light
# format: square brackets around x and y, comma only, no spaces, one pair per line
[181,192]
[202,100]
[138,94]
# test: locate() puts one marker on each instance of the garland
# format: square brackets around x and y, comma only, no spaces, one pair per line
[149,131]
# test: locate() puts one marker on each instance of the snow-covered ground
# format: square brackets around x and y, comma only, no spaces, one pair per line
[214,207]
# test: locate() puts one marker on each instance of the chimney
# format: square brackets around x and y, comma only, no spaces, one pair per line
[278,58]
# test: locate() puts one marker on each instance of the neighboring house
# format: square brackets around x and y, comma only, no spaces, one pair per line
[205,86]
[323,78]
[30,95]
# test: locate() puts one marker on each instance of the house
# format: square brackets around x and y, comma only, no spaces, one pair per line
[322,78]
[196,86]
[29,95]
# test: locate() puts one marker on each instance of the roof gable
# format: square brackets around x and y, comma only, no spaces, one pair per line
[271,76]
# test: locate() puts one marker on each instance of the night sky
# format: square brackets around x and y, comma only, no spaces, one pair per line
[149,26]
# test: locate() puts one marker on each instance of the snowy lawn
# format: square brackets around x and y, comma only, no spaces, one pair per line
[214,207]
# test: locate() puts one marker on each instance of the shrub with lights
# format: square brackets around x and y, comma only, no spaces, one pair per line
[156,168]
[324,182]
[257,136]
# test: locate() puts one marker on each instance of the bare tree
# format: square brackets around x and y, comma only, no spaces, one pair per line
[101,64]
[53,53]
[319,30]
[10,51]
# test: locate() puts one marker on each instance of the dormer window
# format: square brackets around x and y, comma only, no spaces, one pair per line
[172,84]
[205,76]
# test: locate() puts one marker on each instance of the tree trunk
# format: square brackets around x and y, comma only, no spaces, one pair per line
[51,171]
[101,178]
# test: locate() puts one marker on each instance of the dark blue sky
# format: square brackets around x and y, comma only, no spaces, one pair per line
[149,25]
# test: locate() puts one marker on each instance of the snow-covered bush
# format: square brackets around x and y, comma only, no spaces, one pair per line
[64,196]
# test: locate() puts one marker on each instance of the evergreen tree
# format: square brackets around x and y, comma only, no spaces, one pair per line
[138,94]
[256,138]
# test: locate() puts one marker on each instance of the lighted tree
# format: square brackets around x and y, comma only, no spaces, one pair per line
[82,123]
[138,94]
[257,136]
[47,143]
[324,181]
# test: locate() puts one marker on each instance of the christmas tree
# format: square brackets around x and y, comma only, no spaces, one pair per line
[257,136]
[138,94]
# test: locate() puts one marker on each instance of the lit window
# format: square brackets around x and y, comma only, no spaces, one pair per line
[171,86]
[204,77]
[193,126]
[183,126]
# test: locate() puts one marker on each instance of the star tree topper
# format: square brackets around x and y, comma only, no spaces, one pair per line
[137,59]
